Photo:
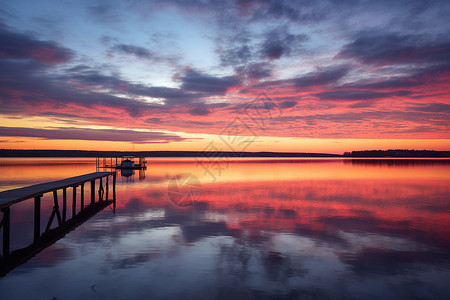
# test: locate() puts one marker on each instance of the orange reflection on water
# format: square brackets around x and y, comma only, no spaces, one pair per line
[257,169]
[320,197]
[20,172]
[341,221]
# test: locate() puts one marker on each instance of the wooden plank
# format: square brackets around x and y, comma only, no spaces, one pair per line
[10,197]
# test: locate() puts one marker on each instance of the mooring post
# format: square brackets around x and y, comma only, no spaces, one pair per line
[37,218]
[92,191]
[6,222]
[82,197]
[74,202]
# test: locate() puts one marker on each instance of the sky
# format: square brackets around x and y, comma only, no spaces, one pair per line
[246,75]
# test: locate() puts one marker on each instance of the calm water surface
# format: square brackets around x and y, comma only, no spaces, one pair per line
[258,229]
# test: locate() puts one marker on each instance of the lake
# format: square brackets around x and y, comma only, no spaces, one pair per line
[243,229]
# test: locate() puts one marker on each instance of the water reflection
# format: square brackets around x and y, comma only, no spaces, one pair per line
[284,230]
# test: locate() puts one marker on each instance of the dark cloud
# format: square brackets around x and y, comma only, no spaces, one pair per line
[294,11]
[235,55]
[196,81]
[380,49]
[200,110]
[172,96]
[359,95]
[288,104]
[139,52]
[406,82]
[255,70]
[27,87]
[100,9]
[281,43]
[434,108]
[20,46]
[234,45]
[69,133]
[105,12]
[321,76]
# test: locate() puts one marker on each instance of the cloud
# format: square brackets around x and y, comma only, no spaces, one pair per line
[434,108]
[405,82]
[359,95]
[71,133]
[172,96]
[199,111]
[193,80]
[137,51]
[288,104]
[293,11]
[321,76]
[20,46]
[105,13]
[280,42]
[380,49]
[255,70]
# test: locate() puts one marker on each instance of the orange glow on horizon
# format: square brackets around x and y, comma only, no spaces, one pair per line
[261,144]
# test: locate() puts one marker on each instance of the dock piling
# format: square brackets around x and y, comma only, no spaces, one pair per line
[74,201]
[5,224]
[92,191]
[64,212]
[82,197]
[37,217]
[56,207]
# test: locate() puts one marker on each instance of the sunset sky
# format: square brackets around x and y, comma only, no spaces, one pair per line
[298,76]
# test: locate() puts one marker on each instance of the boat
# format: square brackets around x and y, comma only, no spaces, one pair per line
[128,163]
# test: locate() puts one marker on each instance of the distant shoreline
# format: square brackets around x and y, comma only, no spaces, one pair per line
[354,154]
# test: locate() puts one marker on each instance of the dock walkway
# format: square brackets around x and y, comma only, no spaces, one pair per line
[8,198]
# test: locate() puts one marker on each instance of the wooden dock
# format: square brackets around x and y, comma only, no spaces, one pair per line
[11,197]
[8,198]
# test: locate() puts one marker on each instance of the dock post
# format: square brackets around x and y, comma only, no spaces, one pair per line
[74,202]
[37,218]
[114,186]
[107,187]
[6,222]
[82,197]
[100,190]
[64,212]
[92,191]
[56,207]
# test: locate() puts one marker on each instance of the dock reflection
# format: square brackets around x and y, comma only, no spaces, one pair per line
[20,256]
